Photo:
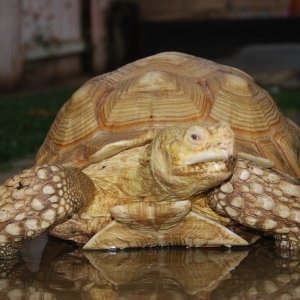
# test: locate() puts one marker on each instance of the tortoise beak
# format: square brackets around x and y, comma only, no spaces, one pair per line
[227,152]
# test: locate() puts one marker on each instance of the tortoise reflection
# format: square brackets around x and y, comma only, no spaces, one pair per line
[66,272]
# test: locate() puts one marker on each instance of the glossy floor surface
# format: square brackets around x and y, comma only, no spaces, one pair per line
[51,269]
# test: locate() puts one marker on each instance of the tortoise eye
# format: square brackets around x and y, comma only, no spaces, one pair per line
[195,137]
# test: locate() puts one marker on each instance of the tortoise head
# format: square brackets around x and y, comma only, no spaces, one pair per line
[190,158]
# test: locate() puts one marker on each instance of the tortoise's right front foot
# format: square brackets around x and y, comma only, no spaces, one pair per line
[37,198]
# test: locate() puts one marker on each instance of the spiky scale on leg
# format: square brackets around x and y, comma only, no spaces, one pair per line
[262,199]
[37,198]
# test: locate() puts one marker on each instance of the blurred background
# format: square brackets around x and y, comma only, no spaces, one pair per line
[46,40]
[50,47]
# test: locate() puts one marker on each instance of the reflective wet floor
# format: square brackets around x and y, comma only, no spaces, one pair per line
[53,269]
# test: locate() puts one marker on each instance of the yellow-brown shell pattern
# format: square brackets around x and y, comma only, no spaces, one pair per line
[126,108]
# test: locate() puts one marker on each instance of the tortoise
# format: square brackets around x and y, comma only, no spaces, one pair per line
[168,150]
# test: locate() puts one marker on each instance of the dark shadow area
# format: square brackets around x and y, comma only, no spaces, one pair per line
[215,38]
[131,36]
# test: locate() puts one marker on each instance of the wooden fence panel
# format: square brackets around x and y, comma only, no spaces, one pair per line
[99,9]
[52,38]
[51,28]
[10,43]
[40,40]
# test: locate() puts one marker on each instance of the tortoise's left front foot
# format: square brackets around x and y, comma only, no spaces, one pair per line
[262,199]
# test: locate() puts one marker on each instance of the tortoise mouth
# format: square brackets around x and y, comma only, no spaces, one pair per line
[224,153]
[208,166]
[216,159]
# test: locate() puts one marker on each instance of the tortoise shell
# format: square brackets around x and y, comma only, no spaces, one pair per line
[126,108]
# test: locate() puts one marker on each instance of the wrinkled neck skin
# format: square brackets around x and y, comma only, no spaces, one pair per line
[171,168]
[175,177]
[164,186]
[167,186]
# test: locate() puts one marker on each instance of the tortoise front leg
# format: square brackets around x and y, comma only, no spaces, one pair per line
[263,199]
[37,198]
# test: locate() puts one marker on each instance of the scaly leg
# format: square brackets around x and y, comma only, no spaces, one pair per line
[263,199]
[37,198]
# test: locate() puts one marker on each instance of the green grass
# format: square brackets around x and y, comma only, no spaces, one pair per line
[22,132]
[287,100]
[23,126]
